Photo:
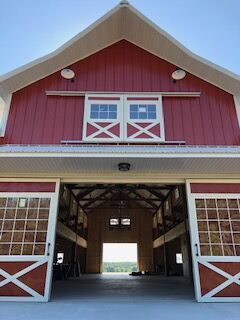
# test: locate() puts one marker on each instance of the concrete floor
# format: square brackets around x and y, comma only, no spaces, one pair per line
[109,297]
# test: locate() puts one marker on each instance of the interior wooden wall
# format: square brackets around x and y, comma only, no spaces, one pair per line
[140,233]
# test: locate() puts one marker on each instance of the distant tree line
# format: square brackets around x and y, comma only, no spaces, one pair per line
[119,267]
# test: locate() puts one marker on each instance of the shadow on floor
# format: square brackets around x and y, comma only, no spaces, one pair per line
[123,287]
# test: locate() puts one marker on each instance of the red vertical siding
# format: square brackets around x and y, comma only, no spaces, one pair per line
[35,118]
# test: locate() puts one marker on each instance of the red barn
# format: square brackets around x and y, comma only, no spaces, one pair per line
[121,135]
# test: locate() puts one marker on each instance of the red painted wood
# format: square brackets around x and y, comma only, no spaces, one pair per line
[104,98]
[209,279]
[142,98]
[35,118]
[91,129]
[230,291]
[115,130]
[215,187]
[232,268]
[27,187]
[36,279]
[12,290]
[14,267]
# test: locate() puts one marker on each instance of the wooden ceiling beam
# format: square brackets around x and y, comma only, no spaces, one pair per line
[153,205]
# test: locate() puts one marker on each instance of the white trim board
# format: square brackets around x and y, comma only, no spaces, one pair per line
[237,106]
[4,111]
[84,93]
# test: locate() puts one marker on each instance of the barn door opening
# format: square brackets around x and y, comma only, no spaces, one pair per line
[119,258]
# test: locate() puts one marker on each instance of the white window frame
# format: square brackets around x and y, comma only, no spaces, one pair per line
[87,117]
[123,117]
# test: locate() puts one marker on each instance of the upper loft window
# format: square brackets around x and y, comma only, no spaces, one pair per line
[103,111]
[143,111]
[123,118]
[120,223]
[114,222]
[125,221]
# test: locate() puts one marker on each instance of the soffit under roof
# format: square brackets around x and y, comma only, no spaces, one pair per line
[122,22]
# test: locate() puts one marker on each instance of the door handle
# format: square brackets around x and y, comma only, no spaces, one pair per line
[196,249]
[48,248]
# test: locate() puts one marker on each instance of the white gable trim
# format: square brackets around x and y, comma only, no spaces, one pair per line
[237,106]
[4,111]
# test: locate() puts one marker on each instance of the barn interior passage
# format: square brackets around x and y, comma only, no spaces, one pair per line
[151,217]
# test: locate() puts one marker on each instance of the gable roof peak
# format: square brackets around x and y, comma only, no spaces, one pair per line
[124,3]
[122,22]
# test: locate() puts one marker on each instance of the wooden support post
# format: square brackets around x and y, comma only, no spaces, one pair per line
[186,219]
[165,245]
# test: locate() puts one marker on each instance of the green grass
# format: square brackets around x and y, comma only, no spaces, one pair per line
[119,267]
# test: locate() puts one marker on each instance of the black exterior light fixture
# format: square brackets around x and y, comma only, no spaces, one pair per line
[124,166]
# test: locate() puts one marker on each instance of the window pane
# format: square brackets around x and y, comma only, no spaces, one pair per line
[114,222]
[112,115]
[113,107]
[142,108]
[152,115]
[142,115]
[133,107]
[103,115]
[151,108]
[103,107]
[94,115]
[125,221]
[94,107]
[133,115]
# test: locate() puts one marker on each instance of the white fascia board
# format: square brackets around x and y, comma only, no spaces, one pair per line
[237,106]
[118,152]
[4,111]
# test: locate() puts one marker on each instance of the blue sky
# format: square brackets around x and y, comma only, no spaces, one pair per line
[32,28]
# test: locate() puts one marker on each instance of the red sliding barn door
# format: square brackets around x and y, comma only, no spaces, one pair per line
[27,232]
[143,119]
[214,212]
